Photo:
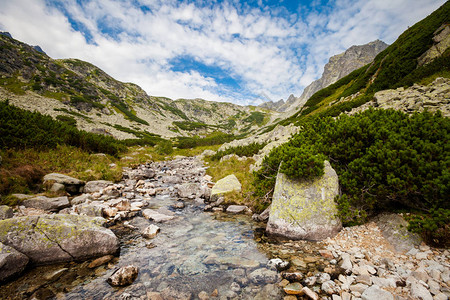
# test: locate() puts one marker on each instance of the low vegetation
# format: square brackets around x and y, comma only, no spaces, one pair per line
[22,129]
[247,150]
[215,138]
[385,160]
[241,169]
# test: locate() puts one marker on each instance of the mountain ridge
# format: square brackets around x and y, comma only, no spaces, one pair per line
[80,90]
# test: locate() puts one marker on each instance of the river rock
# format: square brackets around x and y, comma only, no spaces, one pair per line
[262,217]
[96,186]
[278,264]
[263,275]
[93,209]
[57,238]
[47,204]
[58,188]
[330,287]
[310,294]
[72,185]
[269,291]
[123,276]
[100,261]
[156,216]
[225,185]
[81,199]
[236,209]
[305,209]
[150,232]
[12,262]
[375,293]
[188,190]
[140,174]
[293,289]
[6,212]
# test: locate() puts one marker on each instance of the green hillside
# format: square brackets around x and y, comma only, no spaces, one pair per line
[386,160]
[397,66]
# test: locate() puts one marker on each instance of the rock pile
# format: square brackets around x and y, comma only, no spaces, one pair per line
[417,98]
[49,230]
[359,263]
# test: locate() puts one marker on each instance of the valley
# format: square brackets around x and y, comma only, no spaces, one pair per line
[107,192]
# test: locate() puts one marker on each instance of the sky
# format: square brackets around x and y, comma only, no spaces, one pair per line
[244,52]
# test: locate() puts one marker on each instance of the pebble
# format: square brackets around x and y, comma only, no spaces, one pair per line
[294,289]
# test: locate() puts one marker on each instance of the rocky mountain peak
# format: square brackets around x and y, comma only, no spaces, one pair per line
[338,67]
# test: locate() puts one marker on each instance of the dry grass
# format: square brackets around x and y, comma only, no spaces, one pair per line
[241,169]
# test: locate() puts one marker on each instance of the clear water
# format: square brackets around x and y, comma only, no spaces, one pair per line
[195,252]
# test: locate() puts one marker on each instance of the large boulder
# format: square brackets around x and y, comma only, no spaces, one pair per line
[96,185]
[12,262]
[45,203]
[72,185]
[55,238]
[305,209]
[225,185]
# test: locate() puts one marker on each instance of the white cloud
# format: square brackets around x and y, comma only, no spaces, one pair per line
[265,49]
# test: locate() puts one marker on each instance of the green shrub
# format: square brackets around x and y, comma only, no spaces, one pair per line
[189,126]
[385,159]
[434,226]
[214,138]
[248,150]
[128,114]
[67,119]
[20,128]
[164,148]
[255,118]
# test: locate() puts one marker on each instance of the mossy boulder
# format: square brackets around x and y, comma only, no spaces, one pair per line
[72,185]
[48,204]
[12,262]
[225,185]
[49,239]
[305,209]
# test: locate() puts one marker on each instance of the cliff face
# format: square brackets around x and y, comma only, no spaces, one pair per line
[338,67]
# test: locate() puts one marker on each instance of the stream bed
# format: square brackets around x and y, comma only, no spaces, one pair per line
[196,255]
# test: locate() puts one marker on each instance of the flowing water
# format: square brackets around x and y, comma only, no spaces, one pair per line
[196,252]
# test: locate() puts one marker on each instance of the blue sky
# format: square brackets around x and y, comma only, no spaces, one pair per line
[236,51]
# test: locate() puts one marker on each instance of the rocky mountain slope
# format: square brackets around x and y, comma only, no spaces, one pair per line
[410,75]
[71,88]
[337,67]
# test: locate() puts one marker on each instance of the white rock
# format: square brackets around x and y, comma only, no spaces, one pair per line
[311,295]
[330,287]
[440,296]
[151,231]
[418,291]
[156,216]
[323,277]
[236,209]
[375,293]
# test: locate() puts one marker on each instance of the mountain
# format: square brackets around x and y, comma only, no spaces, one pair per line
[273,105]
[418,56]
[71,88]
[337,67]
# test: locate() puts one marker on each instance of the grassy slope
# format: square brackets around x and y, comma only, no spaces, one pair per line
[394,67]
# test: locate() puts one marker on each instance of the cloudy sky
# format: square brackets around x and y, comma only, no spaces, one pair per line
[235,51]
